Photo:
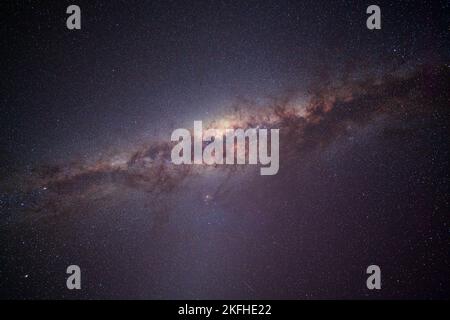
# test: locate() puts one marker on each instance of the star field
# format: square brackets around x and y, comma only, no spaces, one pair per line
[86,178]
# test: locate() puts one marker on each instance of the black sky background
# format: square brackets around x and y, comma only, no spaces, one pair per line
[136,61]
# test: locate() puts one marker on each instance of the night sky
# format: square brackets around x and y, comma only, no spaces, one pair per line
[86,176]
